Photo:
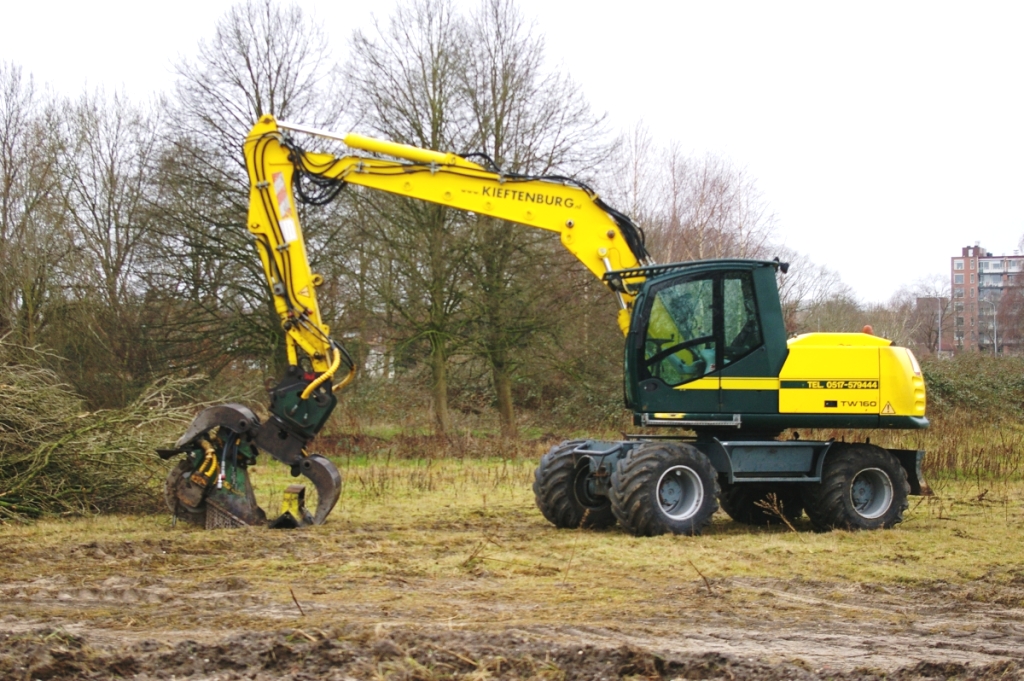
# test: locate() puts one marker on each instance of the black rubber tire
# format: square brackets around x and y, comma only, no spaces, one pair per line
[856,477]
[562,494]
[635,497]
[196,516]
[741,501]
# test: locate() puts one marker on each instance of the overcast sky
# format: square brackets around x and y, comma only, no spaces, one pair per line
[884,135]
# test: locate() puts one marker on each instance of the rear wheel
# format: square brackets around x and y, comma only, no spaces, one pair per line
[664,487]
[863,487]
[566,492]
[754,505]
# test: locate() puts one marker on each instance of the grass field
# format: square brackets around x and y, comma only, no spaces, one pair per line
[448,557]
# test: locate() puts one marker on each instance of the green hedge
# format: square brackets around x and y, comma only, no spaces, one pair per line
[985,385]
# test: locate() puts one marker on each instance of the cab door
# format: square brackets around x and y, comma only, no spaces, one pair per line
[676,351]
[749,381]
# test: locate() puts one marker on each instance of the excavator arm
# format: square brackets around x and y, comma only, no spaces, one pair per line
[600,237]
[211,486]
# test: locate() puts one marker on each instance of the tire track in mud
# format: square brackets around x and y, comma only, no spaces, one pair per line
[757,629]
[352,653]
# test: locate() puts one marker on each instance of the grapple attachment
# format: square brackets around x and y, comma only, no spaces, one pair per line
[211,485]
[326,479]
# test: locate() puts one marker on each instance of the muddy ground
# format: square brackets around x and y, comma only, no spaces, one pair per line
[135,625]
[456,575]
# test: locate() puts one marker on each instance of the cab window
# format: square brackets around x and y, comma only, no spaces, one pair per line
[697,326]
[680,345]
[741,332]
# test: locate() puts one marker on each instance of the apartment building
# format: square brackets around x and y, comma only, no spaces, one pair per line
[982,284]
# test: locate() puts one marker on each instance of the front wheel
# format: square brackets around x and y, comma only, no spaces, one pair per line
[662,487]
[863,487]
[566,492]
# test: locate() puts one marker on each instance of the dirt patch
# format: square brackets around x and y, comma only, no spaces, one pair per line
[451,573]
[742,629]
[412,654]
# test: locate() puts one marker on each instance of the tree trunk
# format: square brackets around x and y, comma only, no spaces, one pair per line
[439,373]
[503,390]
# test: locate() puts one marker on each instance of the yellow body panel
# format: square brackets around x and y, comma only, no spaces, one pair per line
[734,383]
[902,385]
[850,373]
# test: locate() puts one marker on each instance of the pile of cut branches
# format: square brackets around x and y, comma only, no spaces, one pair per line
[57,458]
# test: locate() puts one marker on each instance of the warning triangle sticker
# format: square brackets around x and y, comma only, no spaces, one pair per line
[304,292]
[888,408]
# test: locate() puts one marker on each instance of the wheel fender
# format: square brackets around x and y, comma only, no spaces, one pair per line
[820,466]
[595,458]
[911,460]
[718,456]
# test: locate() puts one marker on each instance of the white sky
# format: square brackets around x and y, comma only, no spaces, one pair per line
[884,135]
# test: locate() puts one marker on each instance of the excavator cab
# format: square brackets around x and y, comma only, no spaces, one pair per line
[697,325]
[707,349]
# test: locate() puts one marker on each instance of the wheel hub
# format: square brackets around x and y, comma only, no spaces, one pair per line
[871,492]
[680,492]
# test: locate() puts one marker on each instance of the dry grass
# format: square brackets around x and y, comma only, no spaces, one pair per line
[460,541]
[449,556]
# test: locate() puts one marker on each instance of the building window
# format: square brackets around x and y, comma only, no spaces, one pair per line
[972,278]
[959,293]
[972,264]
[959,321]
[958,278]
[958,264]
[959,307]
[972,293]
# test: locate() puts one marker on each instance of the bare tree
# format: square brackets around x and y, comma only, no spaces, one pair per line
[839,311]
[32,243]
[639,177]
[710,209]
[934,312]
[806,286]
[693,208]
[264,58]
[530,121]
[897,319]
[407,82]
[109,209]
[1010,320]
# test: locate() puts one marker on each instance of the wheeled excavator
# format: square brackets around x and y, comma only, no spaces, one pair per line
[706,353]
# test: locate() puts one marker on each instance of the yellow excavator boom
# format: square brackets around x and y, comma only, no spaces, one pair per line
[600,237]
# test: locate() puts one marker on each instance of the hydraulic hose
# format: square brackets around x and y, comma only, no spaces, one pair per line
[322,378]
[345,381]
